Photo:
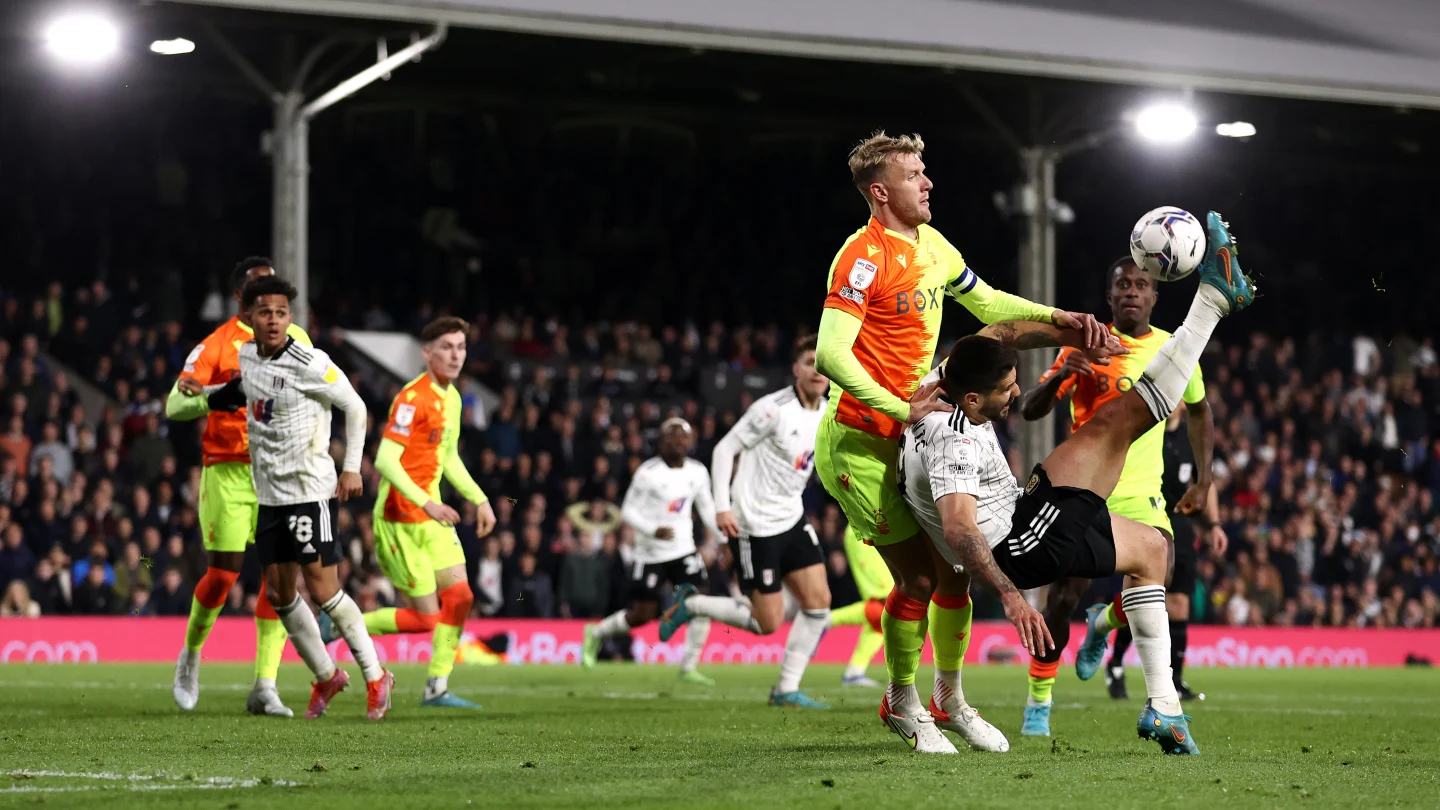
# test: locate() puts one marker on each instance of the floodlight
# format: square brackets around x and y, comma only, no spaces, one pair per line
[1235,129]
[1165,123]
[172,47]
[82,38]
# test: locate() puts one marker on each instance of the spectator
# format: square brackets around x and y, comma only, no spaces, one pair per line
[48,591]
[15,443]
[150,449]
[584,583]
[17,561]
[133,572]
[17,602]
[94,596]
[62,460]
[172,597]
[529,595]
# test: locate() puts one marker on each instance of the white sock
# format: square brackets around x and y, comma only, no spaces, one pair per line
[1169,371]
[724,609]
[852,671]
[351,622]
[904,700]
[1150,624]
[264,684]
[800,645]
[305,635]
[695,635]
[612,625]
[948,695]
[437,685]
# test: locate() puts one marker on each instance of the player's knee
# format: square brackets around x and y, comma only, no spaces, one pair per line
[1157,554]
[455,604]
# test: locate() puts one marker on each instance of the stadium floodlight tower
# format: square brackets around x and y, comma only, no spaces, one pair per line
[1034,199]
[82,38]
[288,144]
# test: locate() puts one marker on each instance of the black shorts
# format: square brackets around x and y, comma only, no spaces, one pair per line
[764,562]
[299,533]
[1182,578]
[1056,532]
[647,579]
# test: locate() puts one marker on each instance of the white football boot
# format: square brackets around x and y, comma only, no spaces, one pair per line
[187,680]
[972,728]
[918,730]
[265,701]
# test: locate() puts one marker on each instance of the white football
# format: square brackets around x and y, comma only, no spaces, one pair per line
[1168,243]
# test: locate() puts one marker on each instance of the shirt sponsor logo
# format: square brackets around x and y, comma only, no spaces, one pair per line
[965,470]
[852,295]
[262,410]
[919,300]
[676,506]
[862,272]
[404,415]
[804,460]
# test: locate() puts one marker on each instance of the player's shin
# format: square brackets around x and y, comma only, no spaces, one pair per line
[950,620]
[904,625]
[269,641]
[385,621]
[696,633]
[455,603]
[347,616]
[1149,622]
[1169,371]
[800,644]
[725,610]
[1179,642]
[210,594]
[305,635]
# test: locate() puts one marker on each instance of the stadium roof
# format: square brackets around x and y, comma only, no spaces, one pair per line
[1377,51]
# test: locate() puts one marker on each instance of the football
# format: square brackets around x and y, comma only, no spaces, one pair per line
[1168,243]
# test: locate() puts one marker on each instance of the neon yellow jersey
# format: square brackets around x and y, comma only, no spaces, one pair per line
[1145,462]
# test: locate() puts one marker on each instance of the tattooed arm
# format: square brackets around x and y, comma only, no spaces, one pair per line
[1022,335]
[967,542]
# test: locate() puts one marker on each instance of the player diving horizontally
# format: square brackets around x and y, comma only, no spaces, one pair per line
[957,481]
[773,543]
[227,504]
[658,506]
[877,340]
[1132,296]
[288,391]
[415,539]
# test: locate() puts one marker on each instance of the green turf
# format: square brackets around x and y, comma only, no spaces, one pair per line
[632,736]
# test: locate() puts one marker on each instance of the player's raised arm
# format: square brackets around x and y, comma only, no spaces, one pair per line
[757,422]
[186,402]
[1055,384]
[991,305]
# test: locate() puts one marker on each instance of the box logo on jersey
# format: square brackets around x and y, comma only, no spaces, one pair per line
[262,410]
[676,506]
[920,300]
[804,460]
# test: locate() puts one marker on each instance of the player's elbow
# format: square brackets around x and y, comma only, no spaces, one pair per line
[1034,407]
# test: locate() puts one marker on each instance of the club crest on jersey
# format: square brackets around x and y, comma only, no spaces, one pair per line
[845,481]
[676,506]
[804,460]
[862,272]
[262,410]
[278,383]
[1032,483]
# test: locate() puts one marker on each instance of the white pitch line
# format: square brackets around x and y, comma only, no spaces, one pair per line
[134,782]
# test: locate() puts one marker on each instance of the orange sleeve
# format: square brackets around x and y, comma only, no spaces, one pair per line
[852,279]
[1068,384]
[204,360]
[401,422]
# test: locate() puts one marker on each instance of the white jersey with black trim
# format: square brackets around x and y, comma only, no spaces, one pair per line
[661,496]
[775,440]
[289,396]
[945,454]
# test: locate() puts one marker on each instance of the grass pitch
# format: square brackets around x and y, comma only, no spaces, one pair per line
[109,736]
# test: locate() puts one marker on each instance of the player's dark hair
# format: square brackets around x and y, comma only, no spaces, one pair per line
[804,343]
[977,364]
[241,273]
[444,326]
[266,285]
[1123,261]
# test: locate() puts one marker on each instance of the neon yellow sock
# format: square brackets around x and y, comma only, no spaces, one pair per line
[446,639]
[848,615]
[1040,688]
[269,645]
[1112,621]
[869,643]
[382,622]
[904,625]
[950,619]
[202,619]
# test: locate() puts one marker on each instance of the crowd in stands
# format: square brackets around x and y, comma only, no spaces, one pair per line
[1327,459]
